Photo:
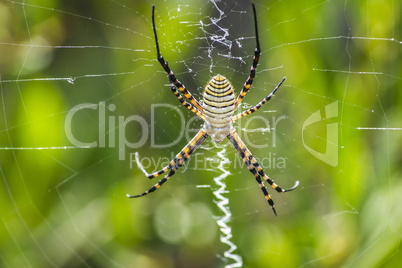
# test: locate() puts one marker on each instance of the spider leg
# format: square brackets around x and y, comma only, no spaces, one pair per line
[172,163]
[258,167]
[239,146]
[186,104]
[176,163]
[258,106]
[157,173]
[264,190]
[170,73]
[257,53]
[159,184]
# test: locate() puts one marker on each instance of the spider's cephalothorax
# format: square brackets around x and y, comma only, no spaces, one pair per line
[219,104]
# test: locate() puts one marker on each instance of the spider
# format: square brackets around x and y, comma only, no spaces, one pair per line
[217,108]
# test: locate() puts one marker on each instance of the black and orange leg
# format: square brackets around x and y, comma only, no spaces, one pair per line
[177,162]
[258,106]
[263,189]
[238,146]
[268,179]
[257,53]
[157,173]
[159,184]
[196,141]
[170,73]
[265,176]
[257,166]
[253,165]
[186,104]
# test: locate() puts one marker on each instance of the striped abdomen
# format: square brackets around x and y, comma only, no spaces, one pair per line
[218,105]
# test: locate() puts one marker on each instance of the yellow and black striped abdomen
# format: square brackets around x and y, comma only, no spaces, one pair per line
[218,105]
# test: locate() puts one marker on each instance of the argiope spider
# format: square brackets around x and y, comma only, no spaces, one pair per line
[217,110]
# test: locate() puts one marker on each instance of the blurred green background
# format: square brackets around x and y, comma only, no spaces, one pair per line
[66,206]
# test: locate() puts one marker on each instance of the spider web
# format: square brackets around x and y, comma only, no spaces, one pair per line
[64,183]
